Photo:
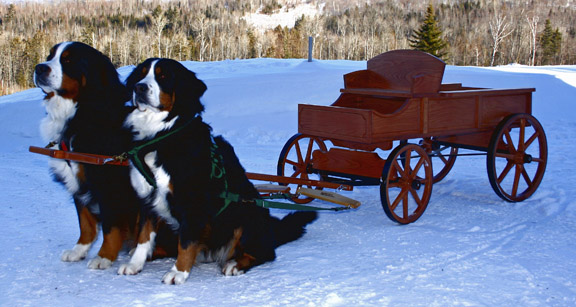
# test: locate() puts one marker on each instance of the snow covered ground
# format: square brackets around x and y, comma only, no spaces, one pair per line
[470,248]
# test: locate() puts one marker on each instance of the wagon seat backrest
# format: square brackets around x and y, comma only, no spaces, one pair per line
[410,71]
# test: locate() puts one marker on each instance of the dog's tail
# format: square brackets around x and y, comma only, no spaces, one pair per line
[293,226]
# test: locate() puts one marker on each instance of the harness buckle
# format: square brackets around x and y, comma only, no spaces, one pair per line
[120,158]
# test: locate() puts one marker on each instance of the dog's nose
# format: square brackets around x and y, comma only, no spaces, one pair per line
[42,69]
[140,88]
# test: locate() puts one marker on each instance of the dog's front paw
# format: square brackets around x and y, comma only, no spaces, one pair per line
[231,269]
[77,253]
[129,269]
[175,277]
[99,263]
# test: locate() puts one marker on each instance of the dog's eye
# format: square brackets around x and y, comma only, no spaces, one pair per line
[66,58]
[161,76]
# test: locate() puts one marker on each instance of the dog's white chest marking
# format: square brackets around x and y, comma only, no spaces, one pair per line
[145,190]
[147,124]
[59,111]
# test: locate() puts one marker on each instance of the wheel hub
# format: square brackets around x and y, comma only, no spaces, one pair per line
[416,184]
[520,158]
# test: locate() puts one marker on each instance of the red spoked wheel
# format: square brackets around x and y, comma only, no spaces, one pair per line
[442,157]
[517,157]
[296,161]
[406,185]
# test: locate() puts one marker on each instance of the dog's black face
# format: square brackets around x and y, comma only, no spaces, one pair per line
[165,85]
[75,70]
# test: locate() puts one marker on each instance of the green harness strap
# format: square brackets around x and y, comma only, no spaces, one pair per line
[218,172]
[276,204]
[133,155]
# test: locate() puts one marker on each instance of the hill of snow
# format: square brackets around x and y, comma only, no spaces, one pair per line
[284,17]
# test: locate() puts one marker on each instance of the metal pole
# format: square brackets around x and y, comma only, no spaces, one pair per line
[310,47]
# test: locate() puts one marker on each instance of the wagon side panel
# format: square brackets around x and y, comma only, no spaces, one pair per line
[452,115]
[405,123]
[495,108]
[334,122]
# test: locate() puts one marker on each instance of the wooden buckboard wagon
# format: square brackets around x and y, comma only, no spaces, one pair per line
[400,98]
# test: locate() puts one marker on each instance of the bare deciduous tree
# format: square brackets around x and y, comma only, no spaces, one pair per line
[533,23]
[499,30]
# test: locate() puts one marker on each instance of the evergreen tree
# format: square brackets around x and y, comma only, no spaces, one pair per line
[429,37]
[550,43]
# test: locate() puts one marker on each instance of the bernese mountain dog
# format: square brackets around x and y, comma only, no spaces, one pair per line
[185,176]
[86,108]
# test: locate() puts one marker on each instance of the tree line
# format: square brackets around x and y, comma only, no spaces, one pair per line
[480,33]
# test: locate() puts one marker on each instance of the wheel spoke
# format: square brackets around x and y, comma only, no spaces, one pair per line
[504,155]
[405,206]
[398,199]
[296,173]
[505,172]
[292,162]
[416,197]
[398,168]
[517,174]
[522,135]
[443,158]
[510,143]
[531,140]
[407,157]
[527,178]
[417,167]
[309,151]
[299,152]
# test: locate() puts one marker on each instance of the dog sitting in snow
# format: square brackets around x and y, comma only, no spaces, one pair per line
[182,174]
[85,105]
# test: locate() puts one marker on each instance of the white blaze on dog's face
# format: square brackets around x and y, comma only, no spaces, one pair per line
[166,86]
[49,76]
[148,94]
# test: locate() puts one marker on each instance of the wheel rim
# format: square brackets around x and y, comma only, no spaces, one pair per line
[406,183]
[296,161]
[442,157]
[517,157]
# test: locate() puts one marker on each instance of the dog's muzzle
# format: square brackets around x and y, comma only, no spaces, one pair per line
[41,74]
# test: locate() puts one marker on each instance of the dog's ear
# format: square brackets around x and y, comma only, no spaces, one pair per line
[99,76]
[188,89]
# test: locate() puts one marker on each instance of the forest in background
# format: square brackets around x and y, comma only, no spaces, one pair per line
[477,33]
